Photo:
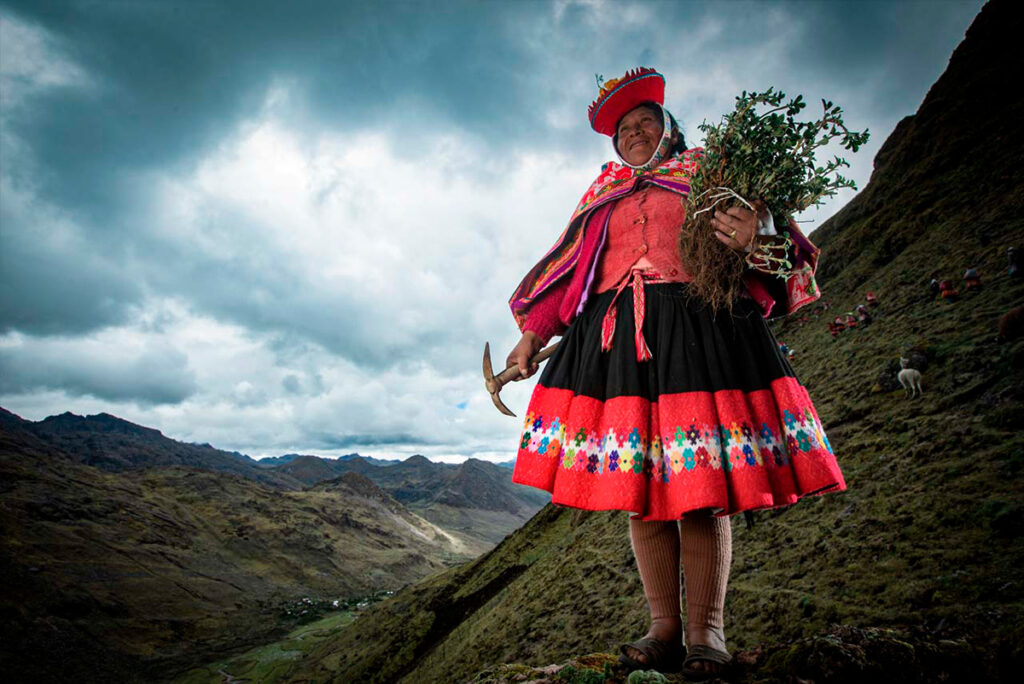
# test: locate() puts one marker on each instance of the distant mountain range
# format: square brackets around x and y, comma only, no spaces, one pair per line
[136,553]
[476,498]
[271,461]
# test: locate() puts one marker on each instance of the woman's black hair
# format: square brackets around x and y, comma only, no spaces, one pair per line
[680,145]
[656,109]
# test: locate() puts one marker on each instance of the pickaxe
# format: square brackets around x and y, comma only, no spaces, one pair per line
[494,383]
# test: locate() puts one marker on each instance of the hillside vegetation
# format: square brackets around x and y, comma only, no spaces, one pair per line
[138,556]
[159,568]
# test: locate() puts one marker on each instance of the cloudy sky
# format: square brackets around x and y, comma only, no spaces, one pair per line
[290,227]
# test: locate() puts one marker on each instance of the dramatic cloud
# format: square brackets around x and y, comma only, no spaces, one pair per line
[109,366]
[279,228]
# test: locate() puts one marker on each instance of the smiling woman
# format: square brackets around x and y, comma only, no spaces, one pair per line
[655,402]
[640,132]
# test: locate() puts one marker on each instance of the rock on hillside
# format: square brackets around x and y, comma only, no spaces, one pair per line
[475,500]
[475,484]
[357,485]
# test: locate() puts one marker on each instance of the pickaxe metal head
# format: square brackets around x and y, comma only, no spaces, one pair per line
[494,383]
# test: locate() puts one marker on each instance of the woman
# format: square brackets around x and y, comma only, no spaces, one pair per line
[653,403]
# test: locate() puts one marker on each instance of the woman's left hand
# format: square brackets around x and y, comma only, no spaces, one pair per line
[735,226]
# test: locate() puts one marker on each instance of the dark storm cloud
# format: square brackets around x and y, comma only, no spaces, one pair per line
[157,375]
[170,80]
[891,49]
[57,290]
[326,441]
[174,78]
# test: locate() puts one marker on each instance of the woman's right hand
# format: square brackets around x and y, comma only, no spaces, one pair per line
[529,344]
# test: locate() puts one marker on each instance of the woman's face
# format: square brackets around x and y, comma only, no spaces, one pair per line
[639,135]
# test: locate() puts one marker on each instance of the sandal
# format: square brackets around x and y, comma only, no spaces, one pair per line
[661,656]
[707,654]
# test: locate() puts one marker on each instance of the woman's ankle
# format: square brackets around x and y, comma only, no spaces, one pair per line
[666,628]
[706,636]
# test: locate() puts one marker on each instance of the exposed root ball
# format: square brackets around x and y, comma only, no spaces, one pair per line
[717,270]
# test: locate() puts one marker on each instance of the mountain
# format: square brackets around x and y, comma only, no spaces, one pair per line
[478,501]
[132,572]
[116,445]
[142,555]
[311,469]
[916,573]
[272,461]
[475,499]
[471,484]
[369,459]
[946,185]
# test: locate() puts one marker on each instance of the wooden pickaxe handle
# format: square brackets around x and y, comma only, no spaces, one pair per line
[494,383]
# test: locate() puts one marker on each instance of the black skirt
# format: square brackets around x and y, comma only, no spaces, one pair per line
[715,419]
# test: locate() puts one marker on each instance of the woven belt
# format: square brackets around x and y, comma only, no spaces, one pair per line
[636,278]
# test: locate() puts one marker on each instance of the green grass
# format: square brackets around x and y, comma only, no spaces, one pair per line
[273,662]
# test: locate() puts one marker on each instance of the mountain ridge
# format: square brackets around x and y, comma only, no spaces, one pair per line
[114,444]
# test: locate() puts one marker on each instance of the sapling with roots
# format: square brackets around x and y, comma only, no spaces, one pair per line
[758,155]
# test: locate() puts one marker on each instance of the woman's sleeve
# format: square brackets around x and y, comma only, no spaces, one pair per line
[542,317]
[781,277]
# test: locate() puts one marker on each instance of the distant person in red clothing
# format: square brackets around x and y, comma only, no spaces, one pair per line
[972,279]
[949,294]
[871,299]
[639,352]
[851,320]
[863,315]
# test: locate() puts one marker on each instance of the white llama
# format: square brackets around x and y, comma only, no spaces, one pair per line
[910,379]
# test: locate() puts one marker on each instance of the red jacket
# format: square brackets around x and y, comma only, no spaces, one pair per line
[555,290]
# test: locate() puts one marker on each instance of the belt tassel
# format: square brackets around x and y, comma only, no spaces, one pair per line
[636,279]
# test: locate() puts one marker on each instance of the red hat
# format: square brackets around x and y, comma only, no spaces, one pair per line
[620,95]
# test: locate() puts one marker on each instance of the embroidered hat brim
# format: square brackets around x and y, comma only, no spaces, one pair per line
[618,97]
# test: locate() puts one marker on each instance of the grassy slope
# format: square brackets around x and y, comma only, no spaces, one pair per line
[564,582]
[475,499]
[274,661]
[480,529]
